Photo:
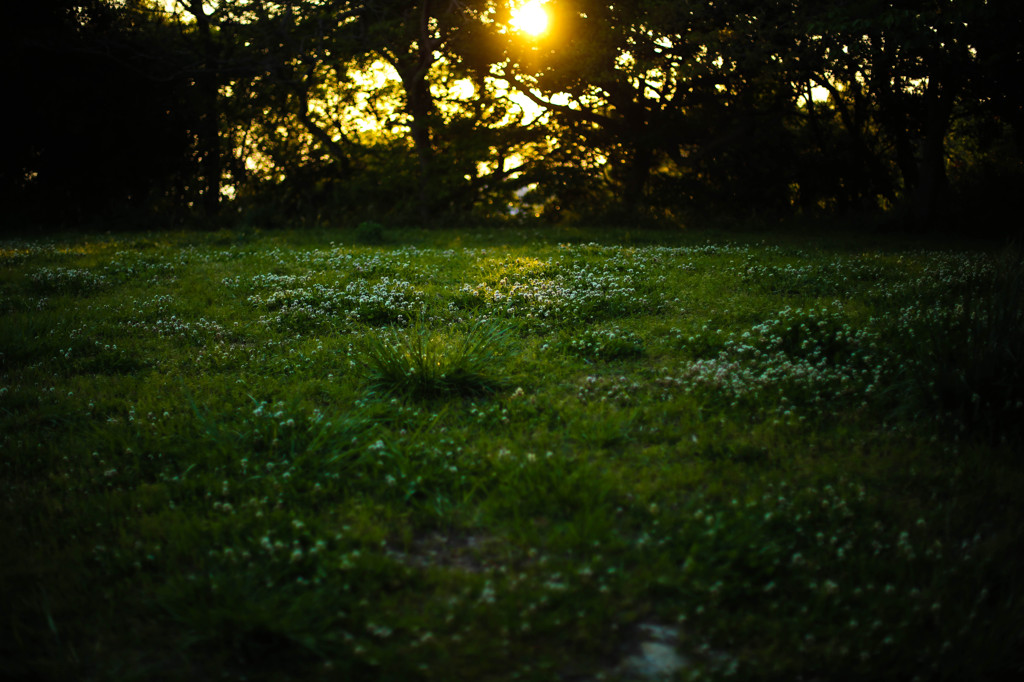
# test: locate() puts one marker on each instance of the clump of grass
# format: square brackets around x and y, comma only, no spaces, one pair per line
[969,368]
[420,363]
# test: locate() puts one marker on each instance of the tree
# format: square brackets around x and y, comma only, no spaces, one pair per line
[898,70]
[659,89]
[103,119]
[417,110]
[207,81]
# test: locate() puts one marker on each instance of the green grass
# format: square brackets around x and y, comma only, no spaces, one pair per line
[420,363]
[506,454]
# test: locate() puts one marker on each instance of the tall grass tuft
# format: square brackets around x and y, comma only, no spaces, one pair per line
[422,363]
[971,362]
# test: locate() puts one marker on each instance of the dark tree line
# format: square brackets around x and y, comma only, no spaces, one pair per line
[435,110]
[96,121]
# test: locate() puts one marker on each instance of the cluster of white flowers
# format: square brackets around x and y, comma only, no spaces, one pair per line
[195,331]
[613,389]
[319,305]
[607,344]
[796,357]
[570,290]
[66,280]
[129,265]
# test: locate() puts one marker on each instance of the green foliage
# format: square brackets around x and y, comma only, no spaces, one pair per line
[237,454]
[66,280]
[422,363]
[967,364]
[369,232]
[607,344]
[292,113]
[143,165]
[823,334]
[703,343]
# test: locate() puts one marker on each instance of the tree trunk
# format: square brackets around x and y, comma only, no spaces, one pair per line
[209,122]
[412,68]
[638,172]
[932,182]
[420,105]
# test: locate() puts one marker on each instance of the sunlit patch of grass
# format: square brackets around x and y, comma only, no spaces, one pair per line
[423,363]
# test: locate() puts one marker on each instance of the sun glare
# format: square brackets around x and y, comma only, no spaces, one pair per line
[530,17]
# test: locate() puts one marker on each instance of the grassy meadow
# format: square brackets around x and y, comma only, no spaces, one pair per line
[509,455]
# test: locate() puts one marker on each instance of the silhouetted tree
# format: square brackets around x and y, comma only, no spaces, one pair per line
[99,120]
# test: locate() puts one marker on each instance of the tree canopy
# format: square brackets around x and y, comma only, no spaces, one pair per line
[431,110]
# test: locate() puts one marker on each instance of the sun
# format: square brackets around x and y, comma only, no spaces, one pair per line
[530,17]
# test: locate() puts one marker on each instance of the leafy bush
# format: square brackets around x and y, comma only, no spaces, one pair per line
[423,363]
[369,232]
